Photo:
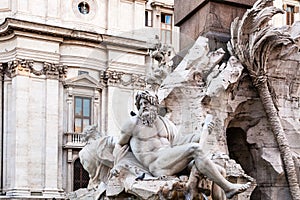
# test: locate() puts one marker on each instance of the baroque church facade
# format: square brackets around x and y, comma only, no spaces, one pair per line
[66,64]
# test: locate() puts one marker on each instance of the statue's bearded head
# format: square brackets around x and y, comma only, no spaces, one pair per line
[147,104]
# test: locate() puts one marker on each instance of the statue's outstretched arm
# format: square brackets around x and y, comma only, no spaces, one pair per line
[192,137]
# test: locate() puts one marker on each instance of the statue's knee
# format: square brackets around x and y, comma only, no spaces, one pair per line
[198,151]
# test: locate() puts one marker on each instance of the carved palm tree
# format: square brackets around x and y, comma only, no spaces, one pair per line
[253,40]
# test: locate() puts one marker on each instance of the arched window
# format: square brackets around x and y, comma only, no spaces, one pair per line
[81,177]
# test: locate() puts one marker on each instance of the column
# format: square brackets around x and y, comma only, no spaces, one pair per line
[96,110]
[53,130]
[8,137]
[104,110]
[1,133]
[51,137]
[70,171]
[19,128]
[70,110]
[111,128]
[61,131]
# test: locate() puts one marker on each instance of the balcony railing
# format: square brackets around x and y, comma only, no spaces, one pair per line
[73,140]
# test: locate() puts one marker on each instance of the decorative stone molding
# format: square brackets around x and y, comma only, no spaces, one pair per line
[54,71]
[83,80]
[122,79]
[18,67]
[25,67]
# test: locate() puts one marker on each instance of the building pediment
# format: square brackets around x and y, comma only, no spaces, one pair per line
[83,80]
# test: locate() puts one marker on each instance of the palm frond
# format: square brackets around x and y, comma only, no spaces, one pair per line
[251,35]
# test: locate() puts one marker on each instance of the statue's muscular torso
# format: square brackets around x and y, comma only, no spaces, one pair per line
[145,141]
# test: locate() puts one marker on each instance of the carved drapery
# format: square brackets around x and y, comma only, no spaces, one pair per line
[26,67]
[109,77]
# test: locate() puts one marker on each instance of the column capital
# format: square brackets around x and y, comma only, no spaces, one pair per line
[54,71]
[26,67]
[18,66]
[116,78]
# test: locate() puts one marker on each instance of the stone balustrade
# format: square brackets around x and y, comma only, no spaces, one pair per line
[73,140]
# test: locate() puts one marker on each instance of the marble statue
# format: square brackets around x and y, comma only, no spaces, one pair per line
[150,148]
[152,159]
[157,145]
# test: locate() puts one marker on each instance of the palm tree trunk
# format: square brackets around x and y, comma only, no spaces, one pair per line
[282,141]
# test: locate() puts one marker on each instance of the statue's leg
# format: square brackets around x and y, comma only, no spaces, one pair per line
[217,192]
[208,168]
[172,160]
[192,183]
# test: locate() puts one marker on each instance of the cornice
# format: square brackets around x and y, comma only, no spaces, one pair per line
[161,4]
[83,80]
[125,42]
[13,26]
[10,25]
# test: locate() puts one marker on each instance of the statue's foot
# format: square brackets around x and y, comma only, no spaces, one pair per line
[236,189]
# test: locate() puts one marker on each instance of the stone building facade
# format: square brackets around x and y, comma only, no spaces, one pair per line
[291,12]
[65,65]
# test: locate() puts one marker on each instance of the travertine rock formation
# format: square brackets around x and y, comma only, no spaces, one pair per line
[272,59]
